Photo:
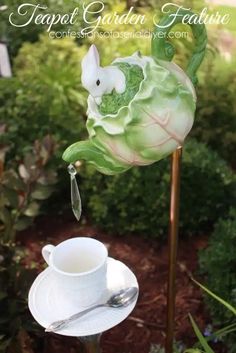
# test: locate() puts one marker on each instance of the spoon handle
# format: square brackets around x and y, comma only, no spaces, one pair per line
[58,325]
[82,313]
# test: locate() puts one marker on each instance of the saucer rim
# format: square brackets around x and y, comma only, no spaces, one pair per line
[47,271]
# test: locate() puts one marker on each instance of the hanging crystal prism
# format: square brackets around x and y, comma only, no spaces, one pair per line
[75,195]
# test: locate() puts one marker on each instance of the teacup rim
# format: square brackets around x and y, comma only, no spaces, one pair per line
[80,274]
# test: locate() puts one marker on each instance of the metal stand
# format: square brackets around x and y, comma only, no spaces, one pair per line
[91,343]
[172,248]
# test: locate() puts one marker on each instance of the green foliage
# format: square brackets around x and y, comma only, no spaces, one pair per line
[218,262]
[224,9]
[44,97]
[215,122]
[138,201]
[125,202]
[202,346]
[25,183]
[16,36]
[203,341]
[16,320]
[54,79]
[203,170]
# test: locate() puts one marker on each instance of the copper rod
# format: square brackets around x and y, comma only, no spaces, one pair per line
[172,248]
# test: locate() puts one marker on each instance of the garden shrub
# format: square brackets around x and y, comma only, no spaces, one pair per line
[16,36]
[55,80]
[208,187]
[44,97]
[16,321]
[138,200]
[19,111]
[218,262]
[215,122]
[24,184]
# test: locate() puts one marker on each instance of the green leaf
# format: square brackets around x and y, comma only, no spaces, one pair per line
[23,223]
[12,180]
[48,177]
[32,210]
[200,337]
[42,192]
[29,163]
[222,332]
[5,216]
[222,301]
[225,330]
[11,197]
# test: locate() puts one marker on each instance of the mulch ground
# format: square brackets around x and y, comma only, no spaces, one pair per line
[148,259]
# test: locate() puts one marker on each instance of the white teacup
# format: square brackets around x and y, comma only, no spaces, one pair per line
[80,266]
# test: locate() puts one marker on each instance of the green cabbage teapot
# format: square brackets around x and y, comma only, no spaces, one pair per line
[140,108]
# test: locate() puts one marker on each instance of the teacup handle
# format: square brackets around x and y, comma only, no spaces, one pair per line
[46,252]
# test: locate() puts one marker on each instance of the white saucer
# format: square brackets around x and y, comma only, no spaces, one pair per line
[48,305]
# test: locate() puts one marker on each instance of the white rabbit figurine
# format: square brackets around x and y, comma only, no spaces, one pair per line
[98,80]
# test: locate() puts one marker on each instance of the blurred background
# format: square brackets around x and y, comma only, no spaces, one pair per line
[43,110]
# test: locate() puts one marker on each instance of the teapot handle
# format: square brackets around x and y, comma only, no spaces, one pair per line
[162,49]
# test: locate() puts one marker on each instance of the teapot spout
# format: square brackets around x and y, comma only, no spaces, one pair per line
[87,151]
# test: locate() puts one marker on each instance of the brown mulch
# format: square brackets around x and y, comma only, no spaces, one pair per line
[148,259]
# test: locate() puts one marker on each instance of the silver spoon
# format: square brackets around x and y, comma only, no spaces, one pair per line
[120,299]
